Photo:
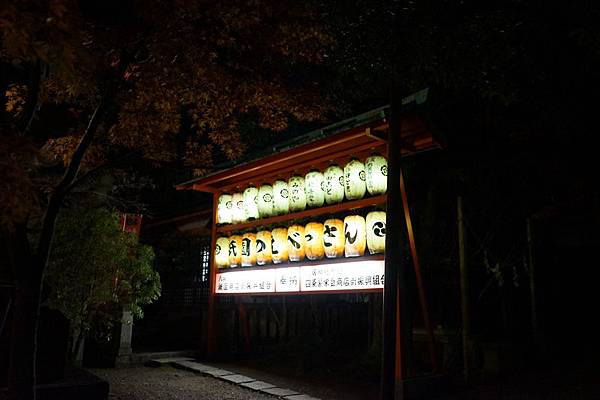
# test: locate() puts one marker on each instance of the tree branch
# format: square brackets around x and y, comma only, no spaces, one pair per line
[37,90]
[57,197]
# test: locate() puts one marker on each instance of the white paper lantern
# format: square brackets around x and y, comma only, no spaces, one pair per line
[281,204]
[295,243]
[265,201]
[354,179]
[333,238]
[248,249]
[238,215]
[222,252]
[297,199]
[376,171]
[334,184]
[355,235]
[235,251]
[314,186]
[251,203]
[279,250]
[376,232]
[224,209]
[313,241]
[263,248]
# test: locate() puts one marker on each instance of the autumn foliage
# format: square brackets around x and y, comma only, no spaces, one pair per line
[197,66]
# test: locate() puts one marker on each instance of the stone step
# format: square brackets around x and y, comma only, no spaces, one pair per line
[158,362]
[154,358]
[238,379]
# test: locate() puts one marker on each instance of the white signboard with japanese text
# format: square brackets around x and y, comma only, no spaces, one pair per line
[255,281]
[287,279]
[348,276]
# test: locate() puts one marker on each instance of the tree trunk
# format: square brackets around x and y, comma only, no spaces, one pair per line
[22,379]
[29,272]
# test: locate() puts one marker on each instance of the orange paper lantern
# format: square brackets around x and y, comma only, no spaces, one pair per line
[248,249]
[279,252]
[235,251]
[295,243]
[355,234]
[263,248]
[333,238]
[222,252]
[313,241]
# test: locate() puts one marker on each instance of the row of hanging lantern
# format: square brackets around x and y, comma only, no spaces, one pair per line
[313,190]
[332,239]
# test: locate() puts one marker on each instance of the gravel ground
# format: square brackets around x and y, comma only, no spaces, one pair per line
[164,383]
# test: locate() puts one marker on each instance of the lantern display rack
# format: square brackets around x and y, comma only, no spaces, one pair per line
[358,138]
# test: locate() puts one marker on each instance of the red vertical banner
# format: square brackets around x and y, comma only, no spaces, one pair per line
[131,223]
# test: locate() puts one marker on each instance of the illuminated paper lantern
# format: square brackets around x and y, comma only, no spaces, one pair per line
[295,243]
[281,204]
[334,184]
[235,251]
[251,203]
[376,232]
[222,252]
[265,201]
[333,238]
[354,179]
[297,199]
[376,174]
[314,186]
[355,236]
[248,249]
[263,247]
[224,209]
[279,250]
[313,241]
[238,208]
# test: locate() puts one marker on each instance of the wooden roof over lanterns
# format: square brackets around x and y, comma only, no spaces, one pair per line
[355,137]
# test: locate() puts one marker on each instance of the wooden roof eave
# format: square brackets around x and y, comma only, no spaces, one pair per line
[359,140]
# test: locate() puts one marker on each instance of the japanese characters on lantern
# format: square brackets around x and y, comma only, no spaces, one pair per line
[313,241]
[224,209]
[314,184]
[265,200]
[295,243]
[333,238]
[251,203]
[263,248]
[279,249]
[376,173]
[355,236]
[281,203]
[222,252]
[297,199]
[376,232]
[354,179]
[334,184]
[235,251]
[238,208]
[248,249]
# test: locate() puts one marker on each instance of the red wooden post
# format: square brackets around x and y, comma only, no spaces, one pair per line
[419,278]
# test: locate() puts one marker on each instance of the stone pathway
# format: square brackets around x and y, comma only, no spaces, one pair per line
[231,377]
